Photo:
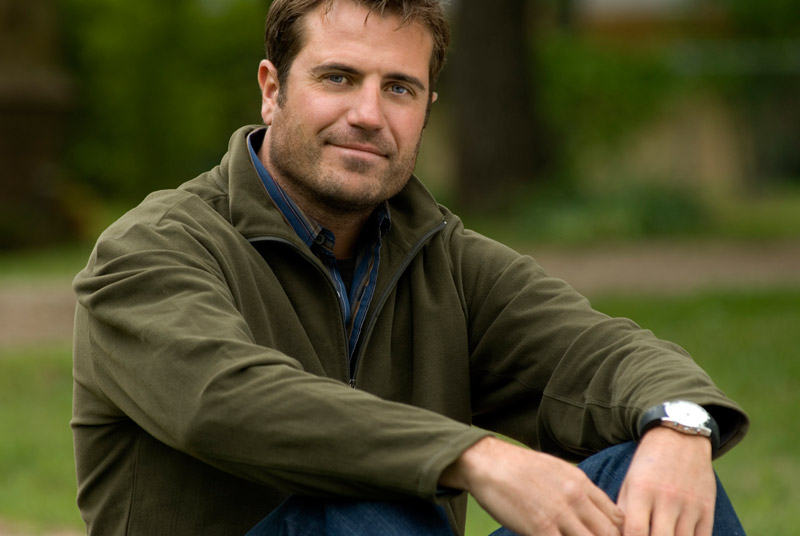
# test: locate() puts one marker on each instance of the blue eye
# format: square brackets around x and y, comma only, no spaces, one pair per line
[336,78]
[398,89]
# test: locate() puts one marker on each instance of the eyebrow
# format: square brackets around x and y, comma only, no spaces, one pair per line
[343,67]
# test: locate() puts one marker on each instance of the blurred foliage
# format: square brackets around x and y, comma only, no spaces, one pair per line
[757,67]
[580,217]
[636,212]
[160,85]
[592,94]
[763,19]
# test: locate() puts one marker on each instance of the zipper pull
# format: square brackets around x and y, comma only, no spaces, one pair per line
[353,383]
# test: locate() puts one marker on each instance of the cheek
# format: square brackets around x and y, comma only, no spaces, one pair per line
[311,114]
[408,131]
[322,112]
[407,123]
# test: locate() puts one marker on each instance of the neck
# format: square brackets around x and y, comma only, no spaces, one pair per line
[347,233]
[345,226]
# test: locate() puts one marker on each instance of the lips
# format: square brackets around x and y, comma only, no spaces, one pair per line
[370,146]
[364,148]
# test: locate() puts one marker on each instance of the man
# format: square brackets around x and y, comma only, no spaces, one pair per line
[304,322]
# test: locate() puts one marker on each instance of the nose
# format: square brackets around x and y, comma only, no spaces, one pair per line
[366,109]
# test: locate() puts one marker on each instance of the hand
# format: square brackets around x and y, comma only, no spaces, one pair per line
[670,488]
[532,493]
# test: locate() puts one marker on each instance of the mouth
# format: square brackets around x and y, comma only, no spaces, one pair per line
[360,149]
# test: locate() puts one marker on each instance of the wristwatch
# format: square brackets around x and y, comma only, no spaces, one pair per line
[682,416]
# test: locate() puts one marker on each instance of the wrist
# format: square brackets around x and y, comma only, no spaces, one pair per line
[678,441]
[467,467]
[682,417]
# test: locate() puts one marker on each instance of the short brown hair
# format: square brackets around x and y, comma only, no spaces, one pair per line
[283,36]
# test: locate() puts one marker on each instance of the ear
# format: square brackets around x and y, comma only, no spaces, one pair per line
[268,82]
[432,99]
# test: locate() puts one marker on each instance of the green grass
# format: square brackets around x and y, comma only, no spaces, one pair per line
[36,448]
[747,340]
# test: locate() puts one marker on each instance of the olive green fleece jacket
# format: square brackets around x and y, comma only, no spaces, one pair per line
[211,373]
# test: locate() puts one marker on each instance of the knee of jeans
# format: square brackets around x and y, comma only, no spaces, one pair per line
[607,468]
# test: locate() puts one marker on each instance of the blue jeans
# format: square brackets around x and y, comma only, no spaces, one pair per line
[339,517]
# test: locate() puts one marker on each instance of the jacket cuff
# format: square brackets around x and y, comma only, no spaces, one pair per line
[428,483]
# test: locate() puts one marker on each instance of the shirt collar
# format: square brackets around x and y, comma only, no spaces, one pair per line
[309,231]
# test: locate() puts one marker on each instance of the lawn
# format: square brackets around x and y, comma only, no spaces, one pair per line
[747,340]
[38,488]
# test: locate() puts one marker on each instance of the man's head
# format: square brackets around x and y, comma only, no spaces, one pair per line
[346,114]
[284,37]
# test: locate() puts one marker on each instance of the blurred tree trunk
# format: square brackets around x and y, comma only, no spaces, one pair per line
[34,99]
[500,143]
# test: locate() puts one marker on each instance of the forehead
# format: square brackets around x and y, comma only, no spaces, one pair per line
[346,31]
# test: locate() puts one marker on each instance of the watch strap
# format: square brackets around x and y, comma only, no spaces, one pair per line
[657,416]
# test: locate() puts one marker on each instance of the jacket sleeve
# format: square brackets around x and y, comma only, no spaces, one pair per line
[159,337]
[553,373]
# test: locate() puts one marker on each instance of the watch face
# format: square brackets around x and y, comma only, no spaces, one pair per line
[686,413]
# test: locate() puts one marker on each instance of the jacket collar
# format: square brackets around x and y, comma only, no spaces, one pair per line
[251,211]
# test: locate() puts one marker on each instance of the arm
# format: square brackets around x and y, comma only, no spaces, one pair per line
[161,341]
[561,377]
[553,373]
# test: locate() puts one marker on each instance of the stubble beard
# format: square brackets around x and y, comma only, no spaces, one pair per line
[298,162]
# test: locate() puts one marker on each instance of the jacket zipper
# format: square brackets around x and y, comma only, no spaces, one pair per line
[308,257]
[352,366]
[373,317]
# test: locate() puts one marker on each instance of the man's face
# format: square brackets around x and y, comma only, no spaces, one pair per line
[345,134]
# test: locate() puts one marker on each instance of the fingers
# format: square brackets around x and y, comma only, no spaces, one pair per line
[705,526]
[646,516]
[638,508]
[661,523]
[606,505]
[660,512]
[573,508]
[534,493]
[599,514]
[670,489]
[586,509]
